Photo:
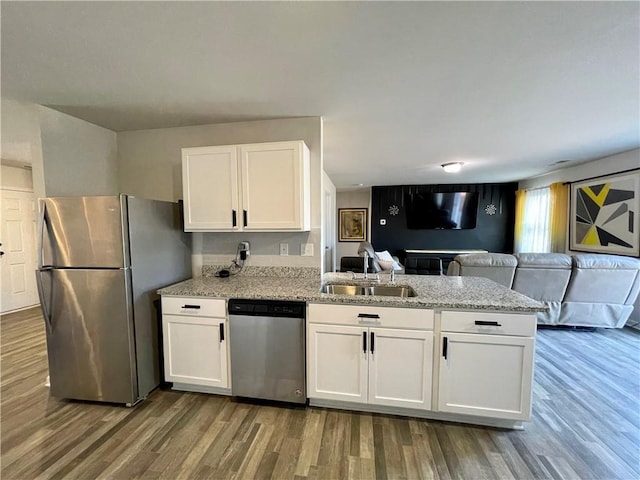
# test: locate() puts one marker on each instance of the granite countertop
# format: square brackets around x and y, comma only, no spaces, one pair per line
[440,292]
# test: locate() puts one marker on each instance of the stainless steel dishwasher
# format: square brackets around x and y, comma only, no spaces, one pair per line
[267,343]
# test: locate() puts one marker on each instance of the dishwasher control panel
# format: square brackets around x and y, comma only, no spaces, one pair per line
[266,308]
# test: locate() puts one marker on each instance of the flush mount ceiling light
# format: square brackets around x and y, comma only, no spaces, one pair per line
[452,167]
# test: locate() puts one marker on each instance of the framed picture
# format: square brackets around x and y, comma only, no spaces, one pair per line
[352,224]
[605,215]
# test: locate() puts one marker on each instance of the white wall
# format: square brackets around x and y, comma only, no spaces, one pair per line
[150,166]
[360,198]
[595,168]
[16,177]
[79,157]
[21,139]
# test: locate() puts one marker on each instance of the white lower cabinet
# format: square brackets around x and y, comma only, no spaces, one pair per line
[351,361]
[337,366]
[486,364]
[195,341]
[400,368]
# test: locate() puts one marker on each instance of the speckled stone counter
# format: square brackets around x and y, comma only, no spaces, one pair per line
[439,292]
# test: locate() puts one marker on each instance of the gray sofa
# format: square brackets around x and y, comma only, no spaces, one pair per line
[588,290]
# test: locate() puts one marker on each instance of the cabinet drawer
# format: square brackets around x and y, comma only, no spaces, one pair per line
[367,315]
[194,306]
[521,325]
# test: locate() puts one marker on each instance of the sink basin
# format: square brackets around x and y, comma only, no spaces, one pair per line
[388,291]
[344,289]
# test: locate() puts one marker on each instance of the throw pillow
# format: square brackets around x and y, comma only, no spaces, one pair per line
[386,261]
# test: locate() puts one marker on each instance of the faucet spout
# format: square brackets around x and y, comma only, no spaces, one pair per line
[366,264]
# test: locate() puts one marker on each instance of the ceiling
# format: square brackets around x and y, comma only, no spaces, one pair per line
[509,88]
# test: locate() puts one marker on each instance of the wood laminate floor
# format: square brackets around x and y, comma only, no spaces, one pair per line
[586,425]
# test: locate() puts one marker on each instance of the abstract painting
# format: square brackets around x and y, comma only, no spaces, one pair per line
[604,215]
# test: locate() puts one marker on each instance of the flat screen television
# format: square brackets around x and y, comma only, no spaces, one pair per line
[452,210]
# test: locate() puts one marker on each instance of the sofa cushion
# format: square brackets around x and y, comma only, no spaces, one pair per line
[543,276]
[598,278]
[599,260]
[387,262]
[499,267]
[544,260]
[486,260]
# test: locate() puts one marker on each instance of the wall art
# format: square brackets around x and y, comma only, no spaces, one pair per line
[352,224]
[604,215]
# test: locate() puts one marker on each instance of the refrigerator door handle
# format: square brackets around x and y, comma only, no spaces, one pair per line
[41,229]
[43,300]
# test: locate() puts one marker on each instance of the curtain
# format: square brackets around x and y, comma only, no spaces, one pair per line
[519,226]
[533,221]
[558,208]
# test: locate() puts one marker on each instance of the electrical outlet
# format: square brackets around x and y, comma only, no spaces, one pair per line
[306,249]
[284,249]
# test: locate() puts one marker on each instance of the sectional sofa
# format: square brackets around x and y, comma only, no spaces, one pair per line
[586,290]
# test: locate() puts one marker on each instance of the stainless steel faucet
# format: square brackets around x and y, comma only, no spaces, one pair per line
[366,264]
[392,276]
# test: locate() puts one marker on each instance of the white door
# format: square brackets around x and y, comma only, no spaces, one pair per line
[400,367]
[210,188]
[337,363]
[486,375]
[329,231]
[272,181]
[18,261]
[195,351]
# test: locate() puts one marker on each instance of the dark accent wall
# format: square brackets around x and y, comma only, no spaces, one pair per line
[493,232]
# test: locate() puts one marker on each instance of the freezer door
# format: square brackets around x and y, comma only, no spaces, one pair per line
[88,318]
[83,232]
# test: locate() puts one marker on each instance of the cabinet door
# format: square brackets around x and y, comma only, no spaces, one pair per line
[400,366]
[486,375]
[337,363]
[195,350]
[210,188]
[275,186]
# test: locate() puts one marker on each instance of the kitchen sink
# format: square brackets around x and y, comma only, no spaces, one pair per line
[344,289]
[391,291]
[388,291]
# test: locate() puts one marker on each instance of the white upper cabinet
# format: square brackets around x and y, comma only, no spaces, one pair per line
[255,187]
[210,188]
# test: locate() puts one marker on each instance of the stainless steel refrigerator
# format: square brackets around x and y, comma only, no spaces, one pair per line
[100,262]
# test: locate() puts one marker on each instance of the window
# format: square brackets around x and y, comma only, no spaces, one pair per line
[534,225]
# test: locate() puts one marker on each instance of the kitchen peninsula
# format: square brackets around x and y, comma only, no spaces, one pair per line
[461,349]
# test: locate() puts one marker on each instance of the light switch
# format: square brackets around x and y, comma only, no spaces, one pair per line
[284,249]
